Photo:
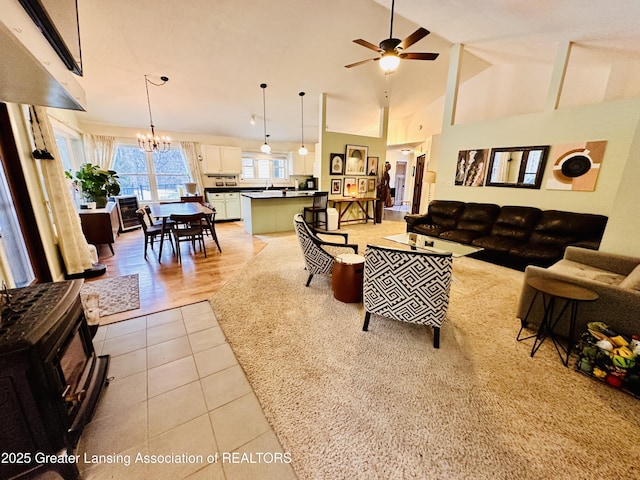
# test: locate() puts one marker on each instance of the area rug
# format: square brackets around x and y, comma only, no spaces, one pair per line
[385,404]
[116,294]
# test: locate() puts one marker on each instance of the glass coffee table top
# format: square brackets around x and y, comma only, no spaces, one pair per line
[433,244]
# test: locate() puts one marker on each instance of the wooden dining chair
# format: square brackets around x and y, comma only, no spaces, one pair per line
[188,228]
[152,231]
[209,225]
[193,199]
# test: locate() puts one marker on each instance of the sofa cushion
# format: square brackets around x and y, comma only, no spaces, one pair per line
[565,228]
[496,243]
[581,270]
[539,251]
[516,222]
[632,281]
[445,213]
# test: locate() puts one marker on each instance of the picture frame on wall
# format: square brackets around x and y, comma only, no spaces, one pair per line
[355,160]
[336,164]
[372,166]
[336,186]
[362,185]
[371,185]
[350,187]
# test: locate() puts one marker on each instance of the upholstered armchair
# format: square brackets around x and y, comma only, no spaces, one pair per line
[407,285]
[318,253]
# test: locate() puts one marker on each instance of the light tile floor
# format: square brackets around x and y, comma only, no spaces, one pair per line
[177,392]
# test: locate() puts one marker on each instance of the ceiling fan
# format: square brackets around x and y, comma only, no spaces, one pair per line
[391,49]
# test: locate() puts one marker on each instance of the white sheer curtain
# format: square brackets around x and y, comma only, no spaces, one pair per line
[190,150]
[73,246]
[99,150]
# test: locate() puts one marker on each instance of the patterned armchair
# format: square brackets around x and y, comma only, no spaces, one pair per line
[407,285]
[319,254]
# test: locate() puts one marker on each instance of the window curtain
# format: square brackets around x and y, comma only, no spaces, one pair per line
[99,150]
[74,249]
[190,151]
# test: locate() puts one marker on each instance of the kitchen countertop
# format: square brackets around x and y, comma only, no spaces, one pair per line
[277,194]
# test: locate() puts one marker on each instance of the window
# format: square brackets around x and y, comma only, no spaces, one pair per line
[70,148]
[151,177]
[273,168]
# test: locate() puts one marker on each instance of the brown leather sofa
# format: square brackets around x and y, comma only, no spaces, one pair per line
[515,236]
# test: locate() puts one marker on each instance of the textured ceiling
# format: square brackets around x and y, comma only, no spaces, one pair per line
[216,54]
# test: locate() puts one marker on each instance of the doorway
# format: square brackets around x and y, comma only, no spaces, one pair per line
[399,182]
[417,185]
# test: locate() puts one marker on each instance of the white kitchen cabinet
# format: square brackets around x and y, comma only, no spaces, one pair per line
[301,165]
[227,205]
[220,159]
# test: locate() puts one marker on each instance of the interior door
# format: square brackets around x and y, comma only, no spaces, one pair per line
[417,184]
[401,175]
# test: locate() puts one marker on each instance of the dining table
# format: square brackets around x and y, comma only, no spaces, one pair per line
[165,210]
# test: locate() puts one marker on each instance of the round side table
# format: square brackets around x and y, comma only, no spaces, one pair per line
[346,277]
[551,291]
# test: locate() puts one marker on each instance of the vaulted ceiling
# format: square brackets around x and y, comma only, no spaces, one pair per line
[217,53]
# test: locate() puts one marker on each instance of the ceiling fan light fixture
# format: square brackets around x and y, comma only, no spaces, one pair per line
[389,62]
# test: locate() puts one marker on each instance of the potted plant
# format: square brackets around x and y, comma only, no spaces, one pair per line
[97,184]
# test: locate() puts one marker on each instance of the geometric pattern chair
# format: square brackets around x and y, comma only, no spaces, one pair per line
[407,285]
[319,254]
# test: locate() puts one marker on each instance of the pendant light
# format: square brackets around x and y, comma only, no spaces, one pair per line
[264,148]
[302,151]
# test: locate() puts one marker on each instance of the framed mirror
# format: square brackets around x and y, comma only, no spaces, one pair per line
[518,167]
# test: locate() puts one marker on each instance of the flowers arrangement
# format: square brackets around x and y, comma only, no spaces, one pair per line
[611,357]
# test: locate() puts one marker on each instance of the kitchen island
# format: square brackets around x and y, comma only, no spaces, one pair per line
[272,211]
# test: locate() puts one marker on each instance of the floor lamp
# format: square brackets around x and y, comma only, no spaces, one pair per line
[430,179]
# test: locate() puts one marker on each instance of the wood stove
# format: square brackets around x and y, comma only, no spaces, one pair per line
[50,376]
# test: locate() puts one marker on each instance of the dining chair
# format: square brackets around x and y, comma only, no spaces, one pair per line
[193,199]
[209,225]
[152,231]
[319,206]
[188,228]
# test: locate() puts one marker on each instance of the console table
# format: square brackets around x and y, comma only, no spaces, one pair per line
[343,205]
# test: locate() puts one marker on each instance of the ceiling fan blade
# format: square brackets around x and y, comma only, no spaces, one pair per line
[361,62]
[370,45]
[419,56]
[413,38]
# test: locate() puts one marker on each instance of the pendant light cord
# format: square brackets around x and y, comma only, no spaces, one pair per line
[263,86]
[302,117]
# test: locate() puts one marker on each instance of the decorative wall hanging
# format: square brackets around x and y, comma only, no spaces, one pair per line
[372,166]
[371,186]
[336,186]
[362,185]
[576,166]
[350,187]
[356,158]
[336,164]
[471,167]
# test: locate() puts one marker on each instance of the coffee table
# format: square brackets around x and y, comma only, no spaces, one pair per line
[433,244]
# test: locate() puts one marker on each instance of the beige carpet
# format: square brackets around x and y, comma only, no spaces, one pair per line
[385,404]
[117,294]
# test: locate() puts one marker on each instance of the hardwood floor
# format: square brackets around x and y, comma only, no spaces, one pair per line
[169,285]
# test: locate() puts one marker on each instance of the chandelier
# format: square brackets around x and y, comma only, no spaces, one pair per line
[266,148]
[152,142]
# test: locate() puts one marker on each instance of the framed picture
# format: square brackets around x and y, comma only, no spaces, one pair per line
[362,185]
[470,169]
[336,186]
[356,159]
[350,187]
[336,163]
[371,185]
[372,166]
